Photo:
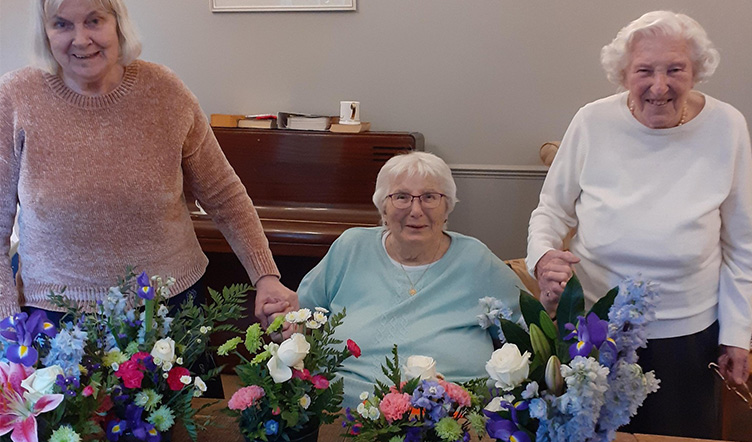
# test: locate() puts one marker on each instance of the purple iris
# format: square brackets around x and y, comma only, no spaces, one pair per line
[21,330]
[591,332]
[505,429]
[145,290]
[115,429]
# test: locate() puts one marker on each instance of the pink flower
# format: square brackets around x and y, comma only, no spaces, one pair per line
[246,397]
[17,415]
[174,375]
[87,391]
[353,347]
[129,372]
[456,393]
[303,374]
[394,406]
[320,382]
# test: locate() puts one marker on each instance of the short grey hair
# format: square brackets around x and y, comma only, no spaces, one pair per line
[422,164]
[130,44]
[705,57]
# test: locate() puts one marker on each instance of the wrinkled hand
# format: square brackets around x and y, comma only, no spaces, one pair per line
[734,364]
[552,271]
[274,299]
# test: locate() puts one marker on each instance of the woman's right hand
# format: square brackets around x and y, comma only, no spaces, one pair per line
[552,271]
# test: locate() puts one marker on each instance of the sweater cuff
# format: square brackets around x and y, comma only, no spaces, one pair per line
[260,263]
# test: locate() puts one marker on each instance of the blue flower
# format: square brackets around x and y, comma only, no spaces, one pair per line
[116,428]
[590,333]
[67,350]
[20,330]
[271,427]
[145,290]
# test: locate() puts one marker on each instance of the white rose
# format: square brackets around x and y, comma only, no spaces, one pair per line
[508,367]
[294,350]
[164,350]
[41,382]
[420,366]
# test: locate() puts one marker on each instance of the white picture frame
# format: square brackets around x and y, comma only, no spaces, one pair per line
[282,5]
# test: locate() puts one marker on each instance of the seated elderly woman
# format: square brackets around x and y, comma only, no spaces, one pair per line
[411,282]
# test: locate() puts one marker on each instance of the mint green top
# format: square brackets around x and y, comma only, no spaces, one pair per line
[439,321]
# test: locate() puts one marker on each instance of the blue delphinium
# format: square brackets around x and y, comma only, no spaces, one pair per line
[494,310]
[633,308]
[432,397]
[67,349]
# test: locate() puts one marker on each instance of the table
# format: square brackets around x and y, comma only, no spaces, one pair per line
[225,429]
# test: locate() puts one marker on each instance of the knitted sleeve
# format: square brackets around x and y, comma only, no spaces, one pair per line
[214,182]
[11,142]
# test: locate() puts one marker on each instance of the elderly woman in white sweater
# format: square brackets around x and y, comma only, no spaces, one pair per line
[657,181]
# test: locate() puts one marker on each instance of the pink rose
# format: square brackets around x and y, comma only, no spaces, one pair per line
[246,397]
[353,347]
[87,391]
[129,372]
[174,375]
[303,374]
[394,406]
[320,382]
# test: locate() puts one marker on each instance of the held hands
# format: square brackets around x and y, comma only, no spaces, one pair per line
[553,270]
[274,299]
[733,364]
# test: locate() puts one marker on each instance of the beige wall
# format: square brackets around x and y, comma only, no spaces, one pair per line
[486,81]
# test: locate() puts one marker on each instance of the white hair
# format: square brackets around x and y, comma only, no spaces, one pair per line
[422,164]
[130,45]
[705,57]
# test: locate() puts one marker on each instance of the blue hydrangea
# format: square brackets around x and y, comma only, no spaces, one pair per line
[67,349]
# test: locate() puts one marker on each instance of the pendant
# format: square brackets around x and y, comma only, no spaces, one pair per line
[412,291]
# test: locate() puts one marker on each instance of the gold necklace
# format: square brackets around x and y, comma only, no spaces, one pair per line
[413,290]
[682,120]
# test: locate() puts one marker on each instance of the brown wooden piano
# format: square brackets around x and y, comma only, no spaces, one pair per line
[308,187]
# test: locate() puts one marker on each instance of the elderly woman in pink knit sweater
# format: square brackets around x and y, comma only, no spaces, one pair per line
[96,146]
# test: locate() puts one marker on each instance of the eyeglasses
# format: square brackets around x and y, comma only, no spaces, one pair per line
[428,200]
[742,391]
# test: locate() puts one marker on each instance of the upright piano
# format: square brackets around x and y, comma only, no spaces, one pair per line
[307,186]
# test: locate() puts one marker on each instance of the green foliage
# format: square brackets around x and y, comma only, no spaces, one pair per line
[571,304]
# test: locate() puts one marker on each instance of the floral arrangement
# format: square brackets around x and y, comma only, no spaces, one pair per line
[122,370]
[579,381]
[418,405]
[289,389]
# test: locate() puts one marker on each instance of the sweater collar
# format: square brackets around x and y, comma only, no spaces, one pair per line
[56,83]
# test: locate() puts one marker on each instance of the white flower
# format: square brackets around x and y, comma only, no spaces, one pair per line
[186,380]
[290,353]
[313,324]
[495,405]
[373,413]
[164,350]
[162,311]
[115,366]
[364,396]
[179,361]
[362,410]
[299,316]
[322,310]
[508,367]
[167,366]
[41,382]
[199,384]
[531,390]
[420,366]
[204,329]
[305,401]
[165,375]
[319,317]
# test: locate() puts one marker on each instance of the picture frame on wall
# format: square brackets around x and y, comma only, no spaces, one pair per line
[282,5]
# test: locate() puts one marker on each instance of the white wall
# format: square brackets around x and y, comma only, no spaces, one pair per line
[486,81]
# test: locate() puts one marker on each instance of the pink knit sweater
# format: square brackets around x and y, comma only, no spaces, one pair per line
[100,184]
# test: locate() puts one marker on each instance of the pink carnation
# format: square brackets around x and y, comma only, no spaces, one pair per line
[456,393]
[246,397]
[320,382]
[394,406]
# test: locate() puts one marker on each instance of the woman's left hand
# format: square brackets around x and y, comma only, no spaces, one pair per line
[274,299]
[734,364]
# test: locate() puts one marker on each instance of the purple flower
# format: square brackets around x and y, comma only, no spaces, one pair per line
[115,429]
[145,290]
[591,332]
[504,429]
[431,396]
[21,330]
[271,427]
